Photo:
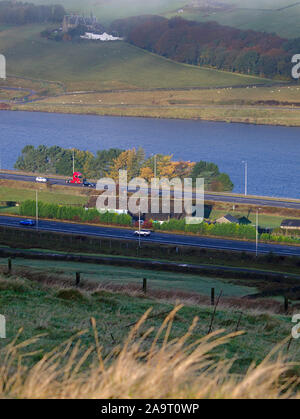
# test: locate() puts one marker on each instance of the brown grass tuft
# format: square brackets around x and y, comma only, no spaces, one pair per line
[167,369]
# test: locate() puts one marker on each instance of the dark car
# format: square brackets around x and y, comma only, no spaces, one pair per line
[29,223]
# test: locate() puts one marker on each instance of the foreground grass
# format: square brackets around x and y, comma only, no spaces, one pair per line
[113,359]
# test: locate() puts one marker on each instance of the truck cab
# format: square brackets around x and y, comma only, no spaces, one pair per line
[77,179]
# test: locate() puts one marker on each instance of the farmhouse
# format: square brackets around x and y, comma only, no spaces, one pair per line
[73,21]
[290,225]
[228,219]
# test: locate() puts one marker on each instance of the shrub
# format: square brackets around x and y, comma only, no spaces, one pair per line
[70,295]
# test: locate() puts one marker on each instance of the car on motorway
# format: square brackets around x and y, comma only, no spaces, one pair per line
[87,184]
[29,223]
[142,233]
[41,179]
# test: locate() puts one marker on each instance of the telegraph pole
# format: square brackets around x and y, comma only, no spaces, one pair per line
[139,226]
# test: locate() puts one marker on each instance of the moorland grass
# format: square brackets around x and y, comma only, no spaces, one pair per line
[38,310]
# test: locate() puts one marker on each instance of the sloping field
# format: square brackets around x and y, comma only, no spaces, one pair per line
[279,16]
[98,66]
[109,10]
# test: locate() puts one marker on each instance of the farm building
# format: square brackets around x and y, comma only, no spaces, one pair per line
[290,225]
[228,219]
[73,21]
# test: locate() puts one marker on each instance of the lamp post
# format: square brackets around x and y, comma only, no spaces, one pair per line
[73,160]
[37,209]
[139,226]
[246,177]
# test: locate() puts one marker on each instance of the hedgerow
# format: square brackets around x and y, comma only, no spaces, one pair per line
[68,213]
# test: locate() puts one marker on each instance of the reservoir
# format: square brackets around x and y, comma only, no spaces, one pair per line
[272,153]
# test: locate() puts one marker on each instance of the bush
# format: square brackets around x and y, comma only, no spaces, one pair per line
[70,295]
[223,230]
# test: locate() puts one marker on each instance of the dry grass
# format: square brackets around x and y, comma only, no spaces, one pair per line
[264,105]
[172,369]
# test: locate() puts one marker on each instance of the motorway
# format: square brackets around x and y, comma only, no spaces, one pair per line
[263,202]
[159,238]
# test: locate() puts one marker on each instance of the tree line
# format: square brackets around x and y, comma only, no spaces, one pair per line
[211,44]
[108,163]
[18,13]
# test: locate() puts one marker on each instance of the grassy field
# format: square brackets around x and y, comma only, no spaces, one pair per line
[21,195]
[100,66]
[51,68]
[157,280]
[261,15]
[278,105]
[235,113]
[107,11]
[57,313]
[283,96]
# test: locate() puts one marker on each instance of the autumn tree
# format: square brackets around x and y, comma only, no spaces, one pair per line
[130,160]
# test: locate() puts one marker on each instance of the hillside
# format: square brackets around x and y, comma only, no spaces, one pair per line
[102,66]
[262,15]
[109,10]
[273,16]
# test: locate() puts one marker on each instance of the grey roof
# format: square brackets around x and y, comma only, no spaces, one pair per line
[290,223]
[231,218]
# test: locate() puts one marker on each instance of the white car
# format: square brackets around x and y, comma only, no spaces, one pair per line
[142,233]
[40,179]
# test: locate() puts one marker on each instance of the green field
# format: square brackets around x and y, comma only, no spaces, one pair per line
[89,66]
[272,16]
[21,195]
[120,275]
[262,15]
[109,10]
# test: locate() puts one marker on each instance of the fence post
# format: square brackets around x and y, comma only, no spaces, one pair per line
[286,304]
[9,265]
[77,279]
[212,297]
[144,285]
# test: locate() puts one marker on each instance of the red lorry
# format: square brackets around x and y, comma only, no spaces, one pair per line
[77,179]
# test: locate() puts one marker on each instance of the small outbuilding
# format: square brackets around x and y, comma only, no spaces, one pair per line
[228,219]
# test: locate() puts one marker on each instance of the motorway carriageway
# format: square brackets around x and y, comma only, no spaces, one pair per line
[277,203]
[159,238]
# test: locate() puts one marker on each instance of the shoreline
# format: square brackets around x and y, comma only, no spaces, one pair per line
[228,120]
